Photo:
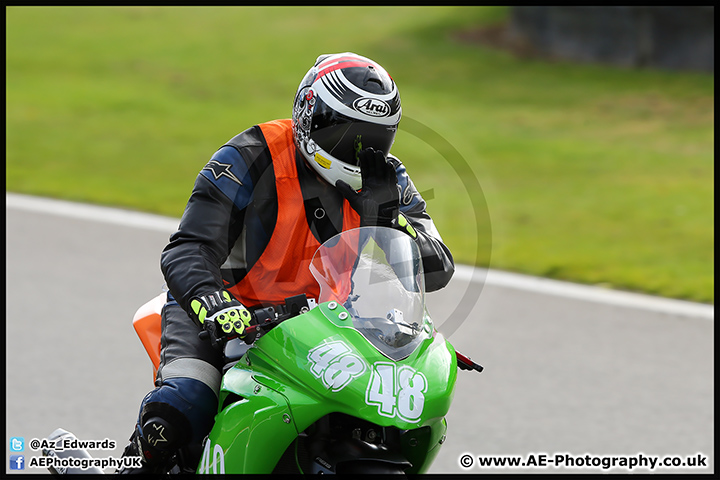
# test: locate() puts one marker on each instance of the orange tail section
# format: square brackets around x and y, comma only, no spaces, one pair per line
[147,326]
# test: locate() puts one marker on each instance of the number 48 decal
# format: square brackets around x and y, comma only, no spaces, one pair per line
[397,391]
[334,364]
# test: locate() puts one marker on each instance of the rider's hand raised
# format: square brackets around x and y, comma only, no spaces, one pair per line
[379,199]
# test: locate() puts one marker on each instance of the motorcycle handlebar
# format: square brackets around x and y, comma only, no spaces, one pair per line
[265,319]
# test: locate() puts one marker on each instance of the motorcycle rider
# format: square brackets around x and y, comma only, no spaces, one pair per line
[267,198]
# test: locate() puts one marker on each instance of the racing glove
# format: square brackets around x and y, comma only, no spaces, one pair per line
[222,317]
[378,201]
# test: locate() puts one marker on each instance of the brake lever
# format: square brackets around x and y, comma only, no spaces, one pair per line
[465,363]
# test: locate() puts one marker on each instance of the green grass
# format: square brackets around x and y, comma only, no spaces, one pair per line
[587,173]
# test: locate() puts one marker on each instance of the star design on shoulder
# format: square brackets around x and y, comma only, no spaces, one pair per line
[221,170]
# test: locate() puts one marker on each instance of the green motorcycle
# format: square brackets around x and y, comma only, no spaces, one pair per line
[365,389]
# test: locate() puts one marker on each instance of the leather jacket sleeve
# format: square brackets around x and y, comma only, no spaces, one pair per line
[191,261]
[438,263]
[211,223]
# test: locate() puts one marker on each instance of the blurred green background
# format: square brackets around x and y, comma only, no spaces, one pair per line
[589,173]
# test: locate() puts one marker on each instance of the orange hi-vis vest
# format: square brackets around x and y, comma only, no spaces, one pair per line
[283,268]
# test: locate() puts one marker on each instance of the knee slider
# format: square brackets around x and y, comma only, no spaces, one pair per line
[164,427]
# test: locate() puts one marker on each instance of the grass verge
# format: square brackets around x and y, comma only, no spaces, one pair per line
[587,173]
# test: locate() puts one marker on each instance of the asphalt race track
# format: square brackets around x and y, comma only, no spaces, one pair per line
[566,379]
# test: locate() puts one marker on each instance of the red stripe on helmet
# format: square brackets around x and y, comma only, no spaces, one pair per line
[351,62]
[332,60]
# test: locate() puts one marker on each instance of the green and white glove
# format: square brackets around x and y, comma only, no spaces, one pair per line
[222,317]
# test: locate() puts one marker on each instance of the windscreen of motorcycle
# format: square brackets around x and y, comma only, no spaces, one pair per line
[376,274]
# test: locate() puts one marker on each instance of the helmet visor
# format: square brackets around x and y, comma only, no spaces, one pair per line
[345,140]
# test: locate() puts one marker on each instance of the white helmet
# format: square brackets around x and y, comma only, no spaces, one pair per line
[344,104]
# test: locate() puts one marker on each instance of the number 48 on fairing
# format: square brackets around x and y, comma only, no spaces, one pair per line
[397,391]
[334,364]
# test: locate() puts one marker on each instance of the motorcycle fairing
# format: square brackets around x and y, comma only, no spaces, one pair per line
[277,367]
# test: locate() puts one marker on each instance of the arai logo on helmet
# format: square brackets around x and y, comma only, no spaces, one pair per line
[372,107]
